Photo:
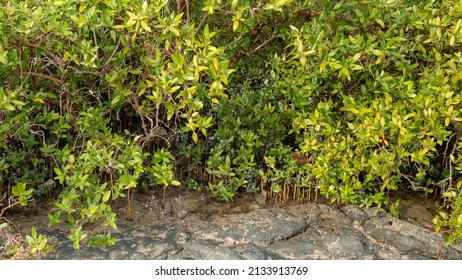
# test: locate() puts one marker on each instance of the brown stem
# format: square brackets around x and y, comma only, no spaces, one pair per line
[163,197]
[40,75]
[129,207]
[8,207]
[199,27]
[274,35]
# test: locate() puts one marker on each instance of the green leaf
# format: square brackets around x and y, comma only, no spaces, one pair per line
[380,22]
[60,175]
[356,57]
[116,99]
[234,4]
[34,232]
[106,196]
[18,102]
[71,159]
[54,219]
[443,215]
[30,241]
[8,106]
[71,219]
[19,189]
[3,56]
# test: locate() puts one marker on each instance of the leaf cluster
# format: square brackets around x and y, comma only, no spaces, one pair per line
[346,99]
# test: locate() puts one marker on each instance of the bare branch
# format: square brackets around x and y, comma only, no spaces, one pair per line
[8,207]
[264,43]
[199,27]
[43,76]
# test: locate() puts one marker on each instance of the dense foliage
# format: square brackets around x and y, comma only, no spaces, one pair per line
[349,99]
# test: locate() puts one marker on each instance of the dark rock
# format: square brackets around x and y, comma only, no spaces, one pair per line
[85,253]
[230,232]
[360,214]
[334,220]
[254,252]
[206,250]
[313,244]
[410,240]
[262,226]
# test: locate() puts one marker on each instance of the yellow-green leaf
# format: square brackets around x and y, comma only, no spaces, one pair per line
[39,100]
[195,137]
[235,25]
[175,31]
[438,56]
[3,56]
[173,89]
[356,67]
[145,26]
[336,65]
[452,40]
[346,72]
[9,107]
[106,196]
[175,183]
[380,22]
[213,86]
[132,15]
[234,4]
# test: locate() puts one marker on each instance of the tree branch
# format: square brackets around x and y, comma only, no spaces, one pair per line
[46,77]
[199,27]
[264,43]
[43,76]
[8,207]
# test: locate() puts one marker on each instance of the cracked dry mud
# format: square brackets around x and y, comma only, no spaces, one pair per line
[195,226]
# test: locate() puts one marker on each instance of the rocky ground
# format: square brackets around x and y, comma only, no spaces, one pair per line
[193,226]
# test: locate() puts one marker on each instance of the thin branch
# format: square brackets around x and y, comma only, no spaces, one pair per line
[413,184]
[264,43]
[46,77]
[112,54]
[447,145]
[43,76]
[199,27]
[11,223]
[8,207]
